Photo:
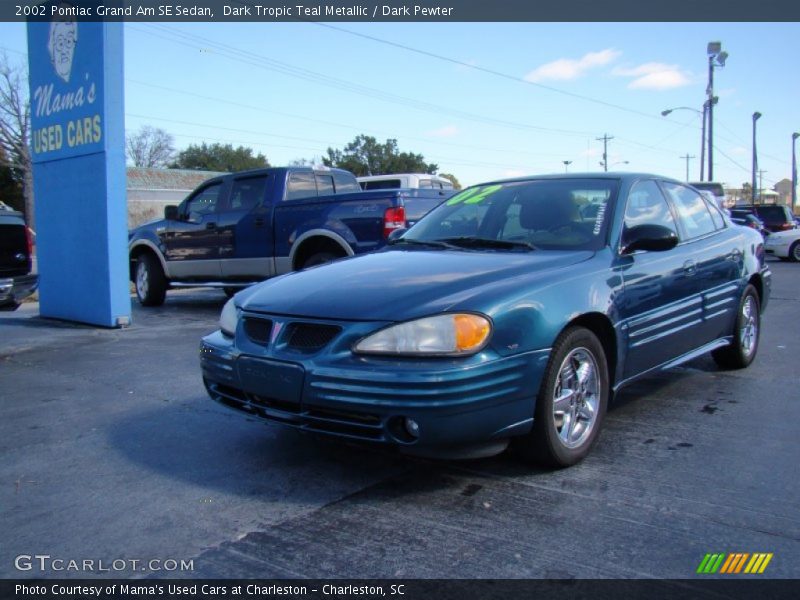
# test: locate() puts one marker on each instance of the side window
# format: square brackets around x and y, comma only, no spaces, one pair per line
[345,183]
[647,206]
[324,185]
[301,185]
[692,210]
[716,216]
[247,193]
[203,203]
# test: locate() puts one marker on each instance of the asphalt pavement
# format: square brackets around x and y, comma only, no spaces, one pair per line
[112,451]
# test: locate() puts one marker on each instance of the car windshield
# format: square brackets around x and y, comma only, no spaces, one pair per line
[547,214]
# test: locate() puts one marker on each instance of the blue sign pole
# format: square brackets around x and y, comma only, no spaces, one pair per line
[78,151]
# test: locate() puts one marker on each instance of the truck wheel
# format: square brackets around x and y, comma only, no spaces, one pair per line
[744,346]
[10,307]
[318,259]
[151,285]
[571,402]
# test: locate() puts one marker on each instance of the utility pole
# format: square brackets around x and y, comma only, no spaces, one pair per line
[687,157]
[605,139]
[760,185]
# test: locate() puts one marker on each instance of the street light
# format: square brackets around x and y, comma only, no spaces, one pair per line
[704,112]
[567,163]
[794,172]
[756,117]
[716,58]
[619,162]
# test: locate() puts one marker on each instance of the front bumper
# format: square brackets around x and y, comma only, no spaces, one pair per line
[454,402]
[14,290]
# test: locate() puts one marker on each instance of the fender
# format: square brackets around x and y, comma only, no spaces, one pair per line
[156,250]
[342,242]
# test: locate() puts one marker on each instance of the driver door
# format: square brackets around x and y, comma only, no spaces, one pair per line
[192,243]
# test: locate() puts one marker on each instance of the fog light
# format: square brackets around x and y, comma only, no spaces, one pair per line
[412,427]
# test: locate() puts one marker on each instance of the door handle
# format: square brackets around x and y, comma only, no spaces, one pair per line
[211,225]
[690,267]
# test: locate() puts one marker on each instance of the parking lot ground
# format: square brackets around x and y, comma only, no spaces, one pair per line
[111,449]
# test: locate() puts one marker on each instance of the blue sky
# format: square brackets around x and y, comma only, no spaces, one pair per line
[291,90]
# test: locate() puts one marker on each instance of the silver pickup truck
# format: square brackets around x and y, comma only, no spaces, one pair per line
[16,260]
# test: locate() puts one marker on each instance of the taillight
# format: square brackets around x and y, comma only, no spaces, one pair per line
[393,218]
[29,240]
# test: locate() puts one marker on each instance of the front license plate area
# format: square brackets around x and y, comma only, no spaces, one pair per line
[271,379]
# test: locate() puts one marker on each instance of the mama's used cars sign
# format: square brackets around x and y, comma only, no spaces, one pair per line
[78,152]
[66,89]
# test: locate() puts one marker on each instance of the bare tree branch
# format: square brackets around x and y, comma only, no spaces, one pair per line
[15,129]
[150,147]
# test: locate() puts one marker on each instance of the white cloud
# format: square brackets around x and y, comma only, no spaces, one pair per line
[654,76]
[444,132]
[570,68]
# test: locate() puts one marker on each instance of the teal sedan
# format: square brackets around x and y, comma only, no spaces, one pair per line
[510,313]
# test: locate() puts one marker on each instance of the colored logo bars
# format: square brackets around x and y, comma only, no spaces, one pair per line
[734,563]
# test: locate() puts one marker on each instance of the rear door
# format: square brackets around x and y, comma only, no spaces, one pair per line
[245,229]
[192,241]
[718,261]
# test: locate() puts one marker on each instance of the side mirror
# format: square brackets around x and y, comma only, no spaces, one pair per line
[652,238]
[171,212]
[395,235]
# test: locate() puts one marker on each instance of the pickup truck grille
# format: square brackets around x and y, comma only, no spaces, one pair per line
[310,337]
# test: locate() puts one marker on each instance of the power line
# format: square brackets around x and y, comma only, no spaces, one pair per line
[494,72]
[391,135]
[267,63]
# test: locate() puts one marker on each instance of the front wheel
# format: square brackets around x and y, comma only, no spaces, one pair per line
[151,284]
[571,403]
[742,350]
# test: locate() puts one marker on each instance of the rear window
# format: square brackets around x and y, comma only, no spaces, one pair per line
[774,213]
[381,184]
[714,188]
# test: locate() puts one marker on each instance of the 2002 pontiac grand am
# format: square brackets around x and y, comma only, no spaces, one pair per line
[510,312]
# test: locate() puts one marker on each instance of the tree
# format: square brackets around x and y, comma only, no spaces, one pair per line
[218,157]
[15,128]
[150,147]
[456,183]
[366,156]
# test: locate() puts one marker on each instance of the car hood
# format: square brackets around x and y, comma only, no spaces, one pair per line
[397,284]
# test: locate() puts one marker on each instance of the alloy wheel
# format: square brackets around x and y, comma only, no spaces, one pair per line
[576,397]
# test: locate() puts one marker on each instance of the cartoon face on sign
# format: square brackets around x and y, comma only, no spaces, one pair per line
[61,45]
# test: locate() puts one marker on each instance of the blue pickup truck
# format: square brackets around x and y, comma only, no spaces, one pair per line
[238,229]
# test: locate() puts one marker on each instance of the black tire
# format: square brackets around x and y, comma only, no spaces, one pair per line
[746,333]
[794,252]
[318,259]
[9,307]
[149,280]
[230,292]
[545,444]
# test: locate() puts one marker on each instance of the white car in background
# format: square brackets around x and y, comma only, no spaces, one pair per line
[784,244]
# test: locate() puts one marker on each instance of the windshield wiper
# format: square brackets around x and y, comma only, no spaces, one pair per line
[474,242]
[429,243]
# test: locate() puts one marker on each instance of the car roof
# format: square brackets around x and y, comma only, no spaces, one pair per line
[614,175]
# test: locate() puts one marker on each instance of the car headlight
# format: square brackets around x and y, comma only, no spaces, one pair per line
[228,318]
[448,334]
